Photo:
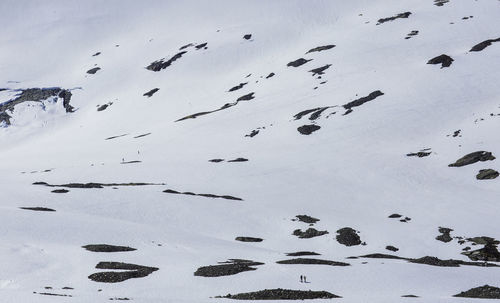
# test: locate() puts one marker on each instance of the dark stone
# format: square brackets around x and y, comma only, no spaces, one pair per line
[320,70]
[419,154]
[246,97]
[162,64]
[309,261]
[398,16]
[232,267]
[348,236]
[488,253]
[308,129]
[306,219]
[270,75]
[383,256]
[247,36]
[107,248]
[114,137]
[473,158]
[143,135]
[482,292]
[96,54]
[185,46]
[391,248]
[103,107]
[170,191]
[248,239]
[216,160]
[411,34]
[281,294]
[38,208]
[253,133]
[443,59]
[302,253]
[485,174]
[60,191]
[151,92]
[202,45]
[315,113]
[238,160]
[480,46]
[363,100]
[298,62]
[409,296]
[440,2]
[309,233]
[445,235]
[94,185]
[320,48]
[93,70]
[239,86]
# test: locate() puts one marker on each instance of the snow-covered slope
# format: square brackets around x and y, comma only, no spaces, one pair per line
[351,170]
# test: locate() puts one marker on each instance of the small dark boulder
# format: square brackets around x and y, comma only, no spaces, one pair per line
[445,235]
[485,174]
[443,59]
[298,62]
[473,158]
[391,248]
[308,129]
[302,253]
[247,36]
[60,191]
[93,70]
[306,219]
[320,48]
[309,233]
[231,267]
[281,294]
[310,261]
[482,292]
[151,92]
[248,239]
[348,236]
[107,248]
[480,46]
[37,208]
[246,97]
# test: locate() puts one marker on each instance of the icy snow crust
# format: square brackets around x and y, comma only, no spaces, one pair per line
[351,172]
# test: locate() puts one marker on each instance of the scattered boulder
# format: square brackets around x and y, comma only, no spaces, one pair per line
[473,158]
[348,236]
[309,233]
[398,16]
[481,292]
[247,36]
[485,174]
[130,271]
[60,191]
[227,197]
[306,219]
[231,267]
[37,208]
[104,106]
[411,34]
[309,261]
[394,216]
[480,46]
[93,70]
[239,86]
[248,239]
[445,235]
[246,97]
[281,294]
[440,2]
[201,45]
[298,62]
[419,154]
[363,100]
[253,133]
[302,253]
[270,75]
[443,59]
[158,65]
[319,70]
[320,48]
[107,248]
[150,93]
[488,253]
[238,160]
[391,248]
[308,129]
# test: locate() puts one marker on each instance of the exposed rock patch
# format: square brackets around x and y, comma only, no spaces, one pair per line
[302,253]
[411,34]
[158,65]
[445,235]
[473,158]
[37,208]
[488,253]
[320,70]
[298,62]
[95,185]
[308,129]
[440,2]
[320,48]
[248,239]
[363,100]
[247,36]
[231,267]
[150,93]
[348,236]
[443,59]
[398,16]
[391,248]
[309,261]
[237,87]
[114,137]
[171,191]
[60,191]
[309,233]
[306,219]
[130,271]
[94,70]
[281,294]
[480,46]
[482,292]
[485,174]
[107,248]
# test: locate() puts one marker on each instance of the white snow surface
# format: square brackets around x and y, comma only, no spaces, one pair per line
[353,172]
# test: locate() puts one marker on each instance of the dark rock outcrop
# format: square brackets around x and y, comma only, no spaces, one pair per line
[363,100]
[348,236]
[309,261]
[93,70]
[319,70]
[158,65]
[107,248]
[443,59]
[320,48]
[151,92]
[281,294]
[247,36]
[130,271]
[171,191]
[302,253]
[398,16]
[482,292]
[239,86]
[485,174]
[298,62]
[445,235]
[480,46]
[473,158]
[488,253]
[248,239]
[231,267]
[306,219]
[37,208]
[308,129]
[309,233]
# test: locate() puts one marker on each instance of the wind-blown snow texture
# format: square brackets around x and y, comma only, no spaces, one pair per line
[351,171]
